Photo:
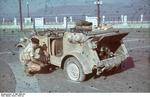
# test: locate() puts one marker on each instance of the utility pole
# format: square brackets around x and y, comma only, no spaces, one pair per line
[67,20]
[98,13]
[20,12]
[98,3]
[28,14]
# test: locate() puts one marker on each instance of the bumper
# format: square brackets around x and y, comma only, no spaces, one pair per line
[110,63]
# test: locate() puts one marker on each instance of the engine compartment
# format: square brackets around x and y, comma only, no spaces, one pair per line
[108,45]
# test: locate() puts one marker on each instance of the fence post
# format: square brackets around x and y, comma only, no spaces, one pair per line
[103,19]
[125,20]
[15,21]
[122,18]
[141,17]
[66,23]
[3,21]
[71,19]
[56,19]
[65,20]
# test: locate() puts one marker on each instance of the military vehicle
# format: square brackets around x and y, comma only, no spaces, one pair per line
[80,52]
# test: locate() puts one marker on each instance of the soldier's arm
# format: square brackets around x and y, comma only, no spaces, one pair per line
[44,48]
[36,61]
[46,53]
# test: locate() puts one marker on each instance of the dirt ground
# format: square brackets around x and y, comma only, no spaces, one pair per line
[133,77]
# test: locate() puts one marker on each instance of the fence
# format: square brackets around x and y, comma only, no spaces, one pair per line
[60,22]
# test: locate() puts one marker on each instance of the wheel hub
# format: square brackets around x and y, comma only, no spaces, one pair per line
[73,71]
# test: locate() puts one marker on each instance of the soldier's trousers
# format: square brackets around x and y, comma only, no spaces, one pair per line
[33,67]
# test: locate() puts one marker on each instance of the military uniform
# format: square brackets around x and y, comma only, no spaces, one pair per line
[37,54]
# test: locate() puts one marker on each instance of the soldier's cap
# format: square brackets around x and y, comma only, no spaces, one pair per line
[35,40]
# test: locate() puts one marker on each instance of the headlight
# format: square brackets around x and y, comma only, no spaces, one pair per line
[21,39]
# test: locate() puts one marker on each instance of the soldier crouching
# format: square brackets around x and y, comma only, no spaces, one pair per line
[37,57]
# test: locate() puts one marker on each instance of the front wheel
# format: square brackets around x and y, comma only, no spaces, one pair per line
[74,70]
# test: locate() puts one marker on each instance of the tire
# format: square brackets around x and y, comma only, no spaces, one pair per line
[74,70]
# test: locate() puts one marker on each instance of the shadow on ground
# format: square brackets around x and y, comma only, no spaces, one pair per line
[127,64]
[48,69]
[7,78]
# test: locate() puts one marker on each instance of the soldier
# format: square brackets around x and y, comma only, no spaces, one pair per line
[36,57]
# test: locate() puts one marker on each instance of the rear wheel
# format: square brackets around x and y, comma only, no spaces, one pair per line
[73,69]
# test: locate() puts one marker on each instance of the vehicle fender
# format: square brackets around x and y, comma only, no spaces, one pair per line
[86,66]
[20,45]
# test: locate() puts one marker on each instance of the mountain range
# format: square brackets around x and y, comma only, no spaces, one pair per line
[75,8]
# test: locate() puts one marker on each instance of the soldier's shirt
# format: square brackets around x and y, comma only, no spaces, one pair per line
[30,52]
[37,54]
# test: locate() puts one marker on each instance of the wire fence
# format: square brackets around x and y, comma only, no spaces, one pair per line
[109,18]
